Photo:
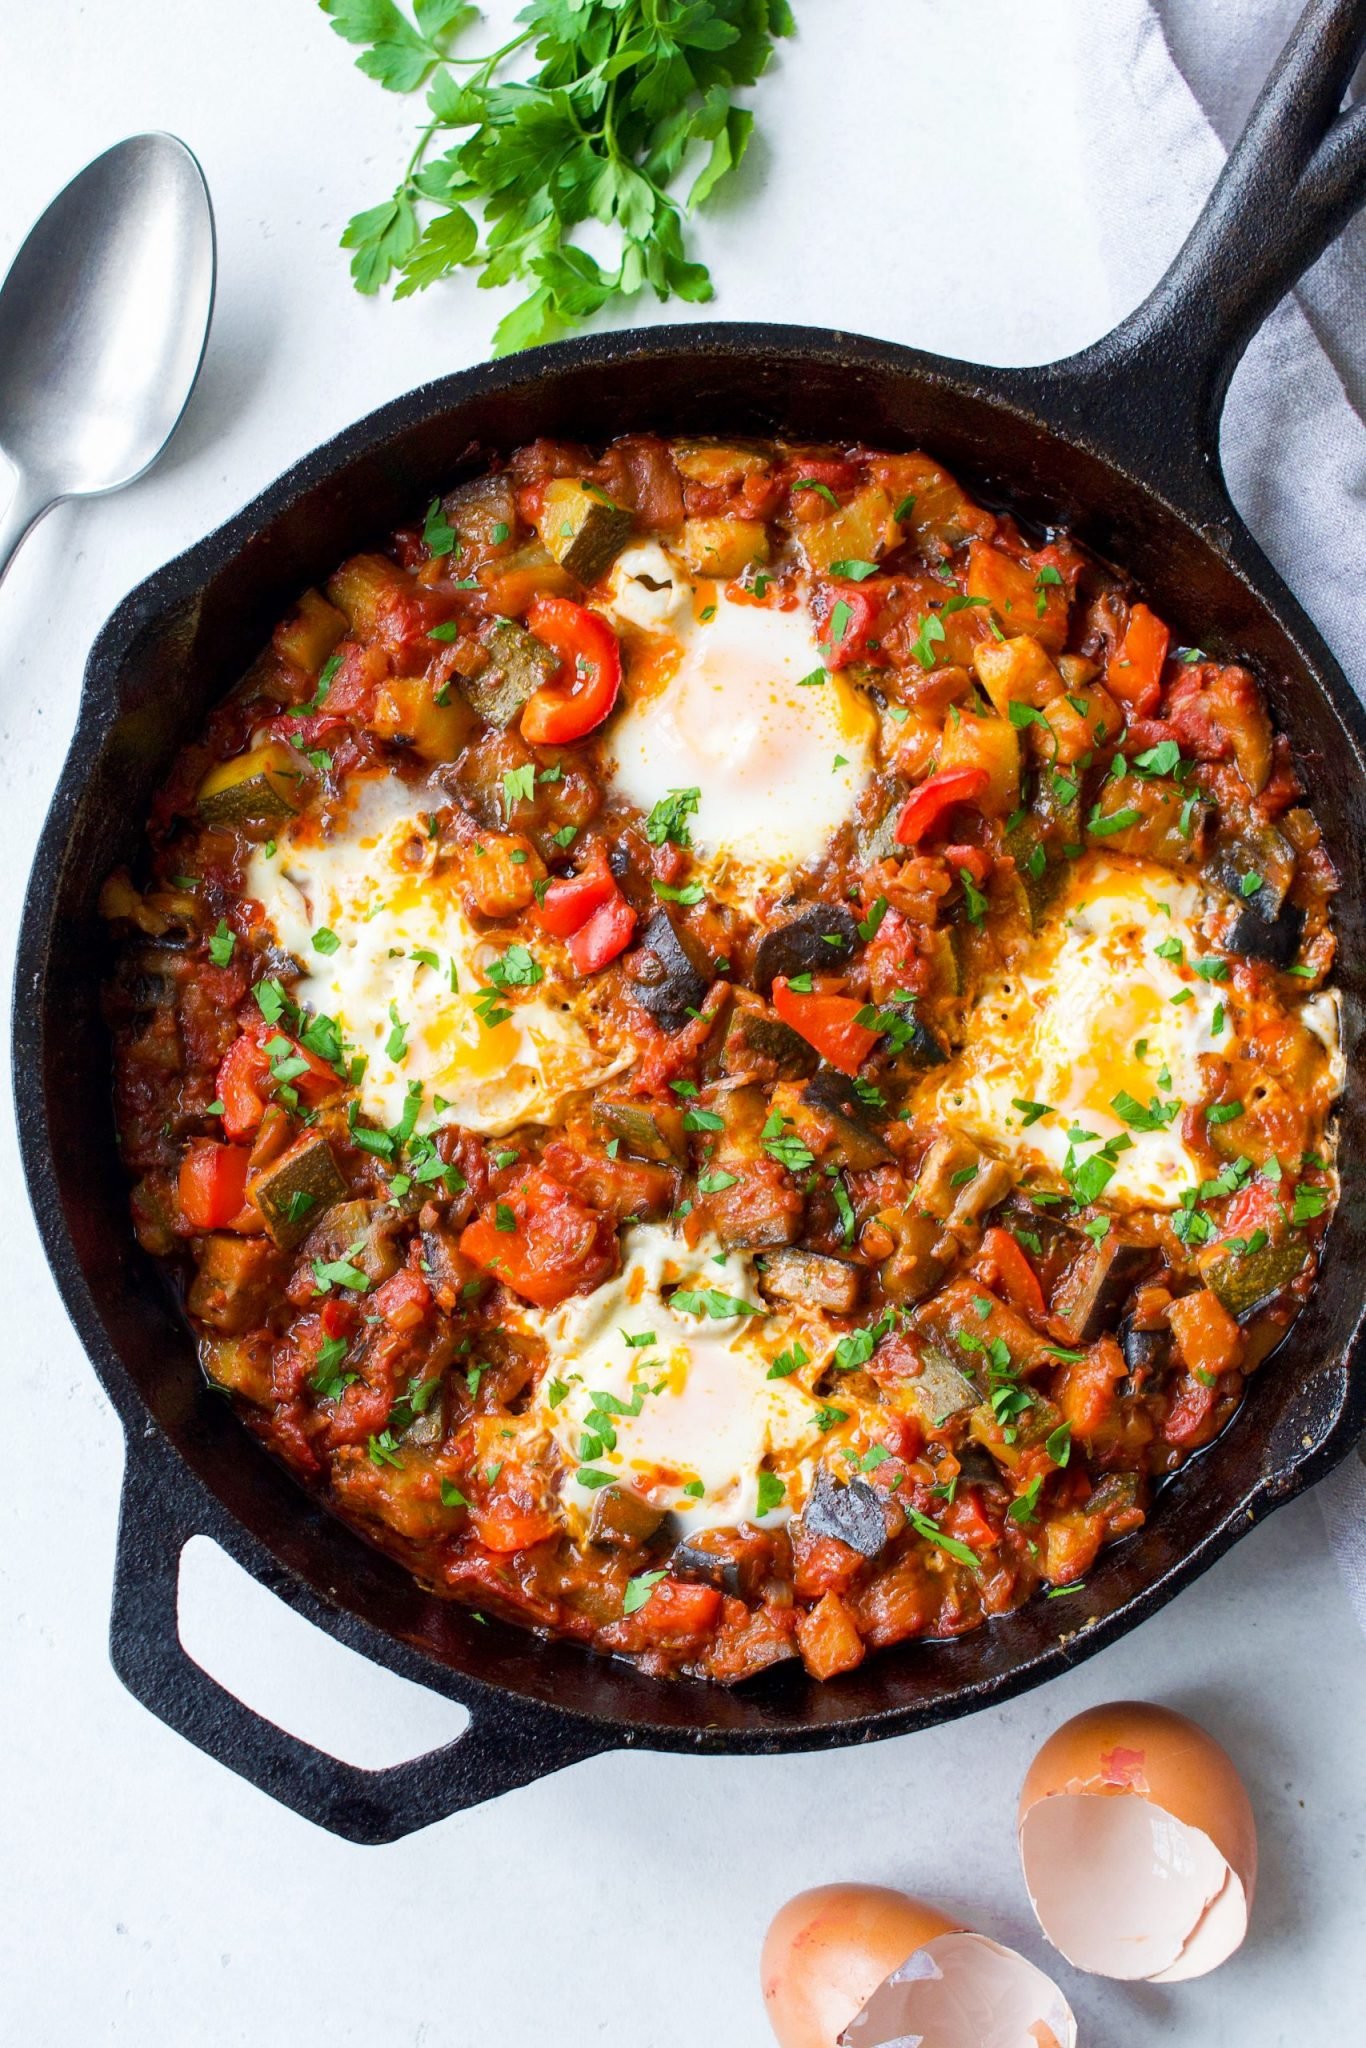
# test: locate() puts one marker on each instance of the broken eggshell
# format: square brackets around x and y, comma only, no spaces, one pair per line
[1138,1844]
[961,1990]
[860,1966]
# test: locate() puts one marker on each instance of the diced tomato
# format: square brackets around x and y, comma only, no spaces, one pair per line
[975,859]
[213,1184]
[1003,1255]
[846,614]
[814,469]
[678,1608]
[580,696]
[1189,1420]
[503,1526]
[963,1518]
[1134,670]
[1085,1390]
[828,1638]
[924,807]
[555,1246]
[829,1022]
[569,902]
[243,1087]
[404,1300]
[606,933]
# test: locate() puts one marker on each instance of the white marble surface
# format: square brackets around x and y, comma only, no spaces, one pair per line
[148,1897]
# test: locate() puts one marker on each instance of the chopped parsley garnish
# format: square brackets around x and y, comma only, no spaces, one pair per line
[854,572]
[669,818]
[221,944]
[437,531]
[932,1533]
[710,1301]
[787,1362]
[772,1494]
[639,1589]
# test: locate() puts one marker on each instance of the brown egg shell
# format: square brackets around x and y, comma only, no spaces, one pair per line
[827,1951]
[1145,1867]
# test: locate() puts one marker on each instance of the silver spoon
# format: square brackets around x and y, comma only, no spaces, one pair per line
[103,321]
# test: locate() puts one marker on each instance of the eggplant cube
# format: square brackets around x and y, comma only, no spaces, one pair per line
[854,1513]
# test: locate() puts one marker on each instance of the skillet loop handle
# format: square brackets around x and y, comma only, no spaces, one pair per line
[506,1744]
[1294,179]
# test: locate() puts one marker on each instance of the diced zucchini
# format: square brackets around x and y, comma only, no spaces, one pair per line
[408,713]
[832,1120]
[859,532]
[518,665]
[241,1364]
[646,1130]
[1016,671]
[991,744]
[723,547]
[811,1280]
[1021,603]
[717,462]
[1247,1281]
[483,514]
[234,1281]
[582,528]
[295,1190]
[361,587]
[256,788]
[876,839]
[941,1388]
[310,633]
[1155,833]
[622,1520]
[758,1046]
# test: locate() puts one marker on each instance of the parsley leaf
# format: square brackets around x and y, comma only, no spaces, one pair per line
[585,115]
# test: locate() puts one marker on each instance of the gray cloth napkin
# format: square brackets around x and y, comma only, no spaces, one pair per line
[1163,87]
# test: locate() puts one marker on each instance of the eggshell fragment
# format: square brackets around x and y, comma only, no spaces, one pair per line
[1138,1844]
[963,1991]
[858,1966]
[829,1949]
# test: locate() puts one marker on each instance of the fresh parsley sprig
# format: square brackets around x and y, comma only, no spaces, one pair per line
[623,94]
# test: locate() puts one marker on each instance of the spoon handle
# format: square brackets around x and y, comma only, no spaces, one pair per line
[25,508]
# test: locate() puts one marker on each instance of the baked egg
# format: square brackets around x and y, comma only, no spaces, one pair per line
[1096,1036]
[730,697]
[487,1030]
[663,1381]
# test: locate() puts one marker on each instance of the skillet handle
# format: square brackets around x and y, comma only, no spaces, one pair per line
[1294,179]
[507,1743]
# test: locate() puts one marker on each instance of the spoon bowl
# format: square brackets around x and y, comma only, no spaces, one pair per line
[103,321]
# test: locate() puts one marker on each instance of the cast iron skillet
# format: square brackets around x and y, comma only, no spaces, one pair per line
[1121,442]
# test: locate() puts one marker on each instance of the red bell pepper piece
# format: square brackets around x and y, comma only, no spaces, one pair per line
[925,806]
[828,1022]
[555,1246]
[1021,1283]
[243,1087]
[581,694]
[1134,671]
[604,934]
[213,1184]
[569,902]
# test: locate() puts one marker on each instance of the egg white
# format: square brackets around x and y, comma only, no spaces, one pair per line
[716,700]
[710,1417]
[1093,1011]
[376,884]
